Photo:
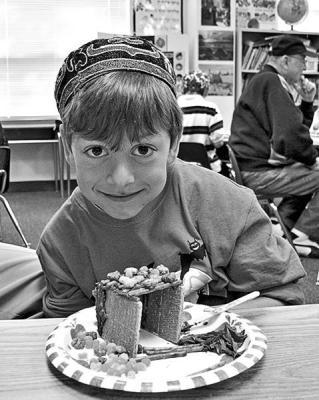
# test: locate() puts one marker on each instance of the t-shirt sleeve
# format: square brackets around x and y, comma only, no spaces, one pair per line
[265,262]
[63,296]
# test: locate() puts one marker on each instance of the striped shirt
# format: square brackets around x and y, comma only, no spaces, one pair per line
[202,121]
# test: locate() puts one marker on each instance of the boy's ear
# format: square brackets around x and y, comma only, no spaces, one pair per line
[66,147]
[173,152]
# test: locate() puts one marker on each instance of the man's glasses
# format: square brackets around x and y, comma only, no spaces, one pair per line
[302,60]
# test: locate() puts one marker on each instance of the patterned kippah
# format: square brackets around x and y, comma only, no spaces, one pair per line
[195,81]
[100,56]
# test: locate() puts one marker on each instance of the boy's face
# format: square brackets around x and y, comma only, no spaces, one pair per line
[122,182]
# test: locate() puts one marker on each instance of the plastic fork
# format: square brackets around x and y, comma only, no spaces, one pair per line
[228,306]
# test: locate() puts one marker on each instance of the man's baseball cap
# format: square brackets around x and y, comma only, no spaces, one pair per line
[289,45]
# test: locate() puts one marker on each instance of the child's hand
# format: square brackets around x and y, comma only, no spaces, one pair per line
[194,280]
[217,138]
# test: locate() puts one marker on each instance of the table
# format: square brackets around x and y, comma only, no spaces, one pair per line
[46,122]
[289,369]
[55,150]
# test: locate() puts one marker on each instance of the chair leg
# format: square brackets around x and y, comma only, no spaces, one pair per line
[283,226]
[14,220]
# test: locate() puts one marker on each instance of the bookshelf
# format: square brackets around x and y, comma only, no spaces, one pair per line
[252,53]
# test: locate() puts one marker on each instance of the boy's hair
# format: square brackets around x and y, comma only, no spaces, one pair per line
[195,82]
[116,87]
[123,104]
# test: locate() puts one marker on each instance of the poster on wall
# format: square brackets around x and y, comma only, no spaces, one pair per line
[256,14]
[175,47]
[155,16]
[177,59]
[221,78]
[215,13]
[215,45]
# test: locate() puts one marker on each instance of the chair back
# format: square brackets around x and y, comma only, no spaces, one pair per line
[194,153]
[4,168]
[234,173]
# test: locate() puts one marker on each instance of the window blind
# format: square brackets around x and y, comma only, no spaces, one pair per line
[35,37]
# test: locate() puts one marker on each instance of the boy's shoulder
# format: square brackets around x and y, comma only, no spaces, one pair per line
[203,180]
[66,216]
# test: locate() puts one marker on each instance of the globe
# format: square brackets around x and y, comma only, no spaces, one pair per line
[292,11]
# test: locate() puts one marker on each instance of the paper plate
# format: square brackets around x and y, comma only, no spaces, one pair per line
[173,374]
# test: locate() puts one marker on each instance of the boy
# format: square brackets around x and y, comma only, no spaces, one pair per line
[136,204]
[202,120]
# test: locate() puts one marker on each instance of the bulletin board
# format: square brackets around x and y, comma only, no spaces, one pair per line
[151,17]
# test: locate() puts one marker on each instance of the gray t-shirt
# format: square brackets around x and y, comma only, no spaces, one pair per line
[200,220]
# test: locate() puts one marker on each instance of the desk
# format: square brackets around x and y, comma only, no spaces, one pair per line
[49,122]
[289,369]
[56,155]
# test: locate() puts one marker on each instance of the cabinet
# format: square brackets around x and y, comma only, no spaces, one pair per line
[252,53]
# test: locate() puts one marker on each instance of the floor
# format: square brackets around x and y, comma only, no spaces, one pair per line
[33,210]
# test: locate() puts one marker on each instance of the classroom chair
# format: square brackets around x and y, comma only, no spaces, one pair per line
[4,185]
[235,175]
[194,153]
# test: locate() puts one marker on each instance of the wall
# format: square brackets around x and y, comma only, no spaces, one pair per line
[35,162]
[191,28]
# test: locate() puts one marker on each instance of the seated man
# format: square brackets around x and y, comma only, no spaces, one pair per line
[271,140]
[202,120]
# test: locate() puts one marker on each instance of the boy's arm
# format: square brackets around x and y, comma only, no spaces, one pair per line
[63,296]
[265,262]
[216,131]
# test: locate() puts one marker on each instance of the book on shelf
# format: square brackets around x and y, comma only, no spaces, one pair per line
[248,48]
[256,55]
[311,62]
[262,60]
[311,65]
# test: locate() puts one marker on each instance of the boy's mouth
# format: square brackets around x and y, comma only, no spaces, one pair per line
[122,196]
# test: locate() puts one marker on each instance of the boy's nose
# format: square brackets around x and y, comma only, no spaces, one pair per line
[120,174]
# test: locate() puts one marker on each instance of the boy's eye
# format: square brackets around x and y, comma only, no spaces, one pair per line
[143,150]
[96,151]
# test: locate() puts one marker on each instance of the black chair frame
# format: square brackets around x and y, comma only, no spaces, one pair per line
[195,153]
[4,184]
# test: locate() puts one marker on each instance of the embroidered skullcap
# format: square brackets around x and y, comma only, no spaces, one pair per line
[195,81]
[100,56]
